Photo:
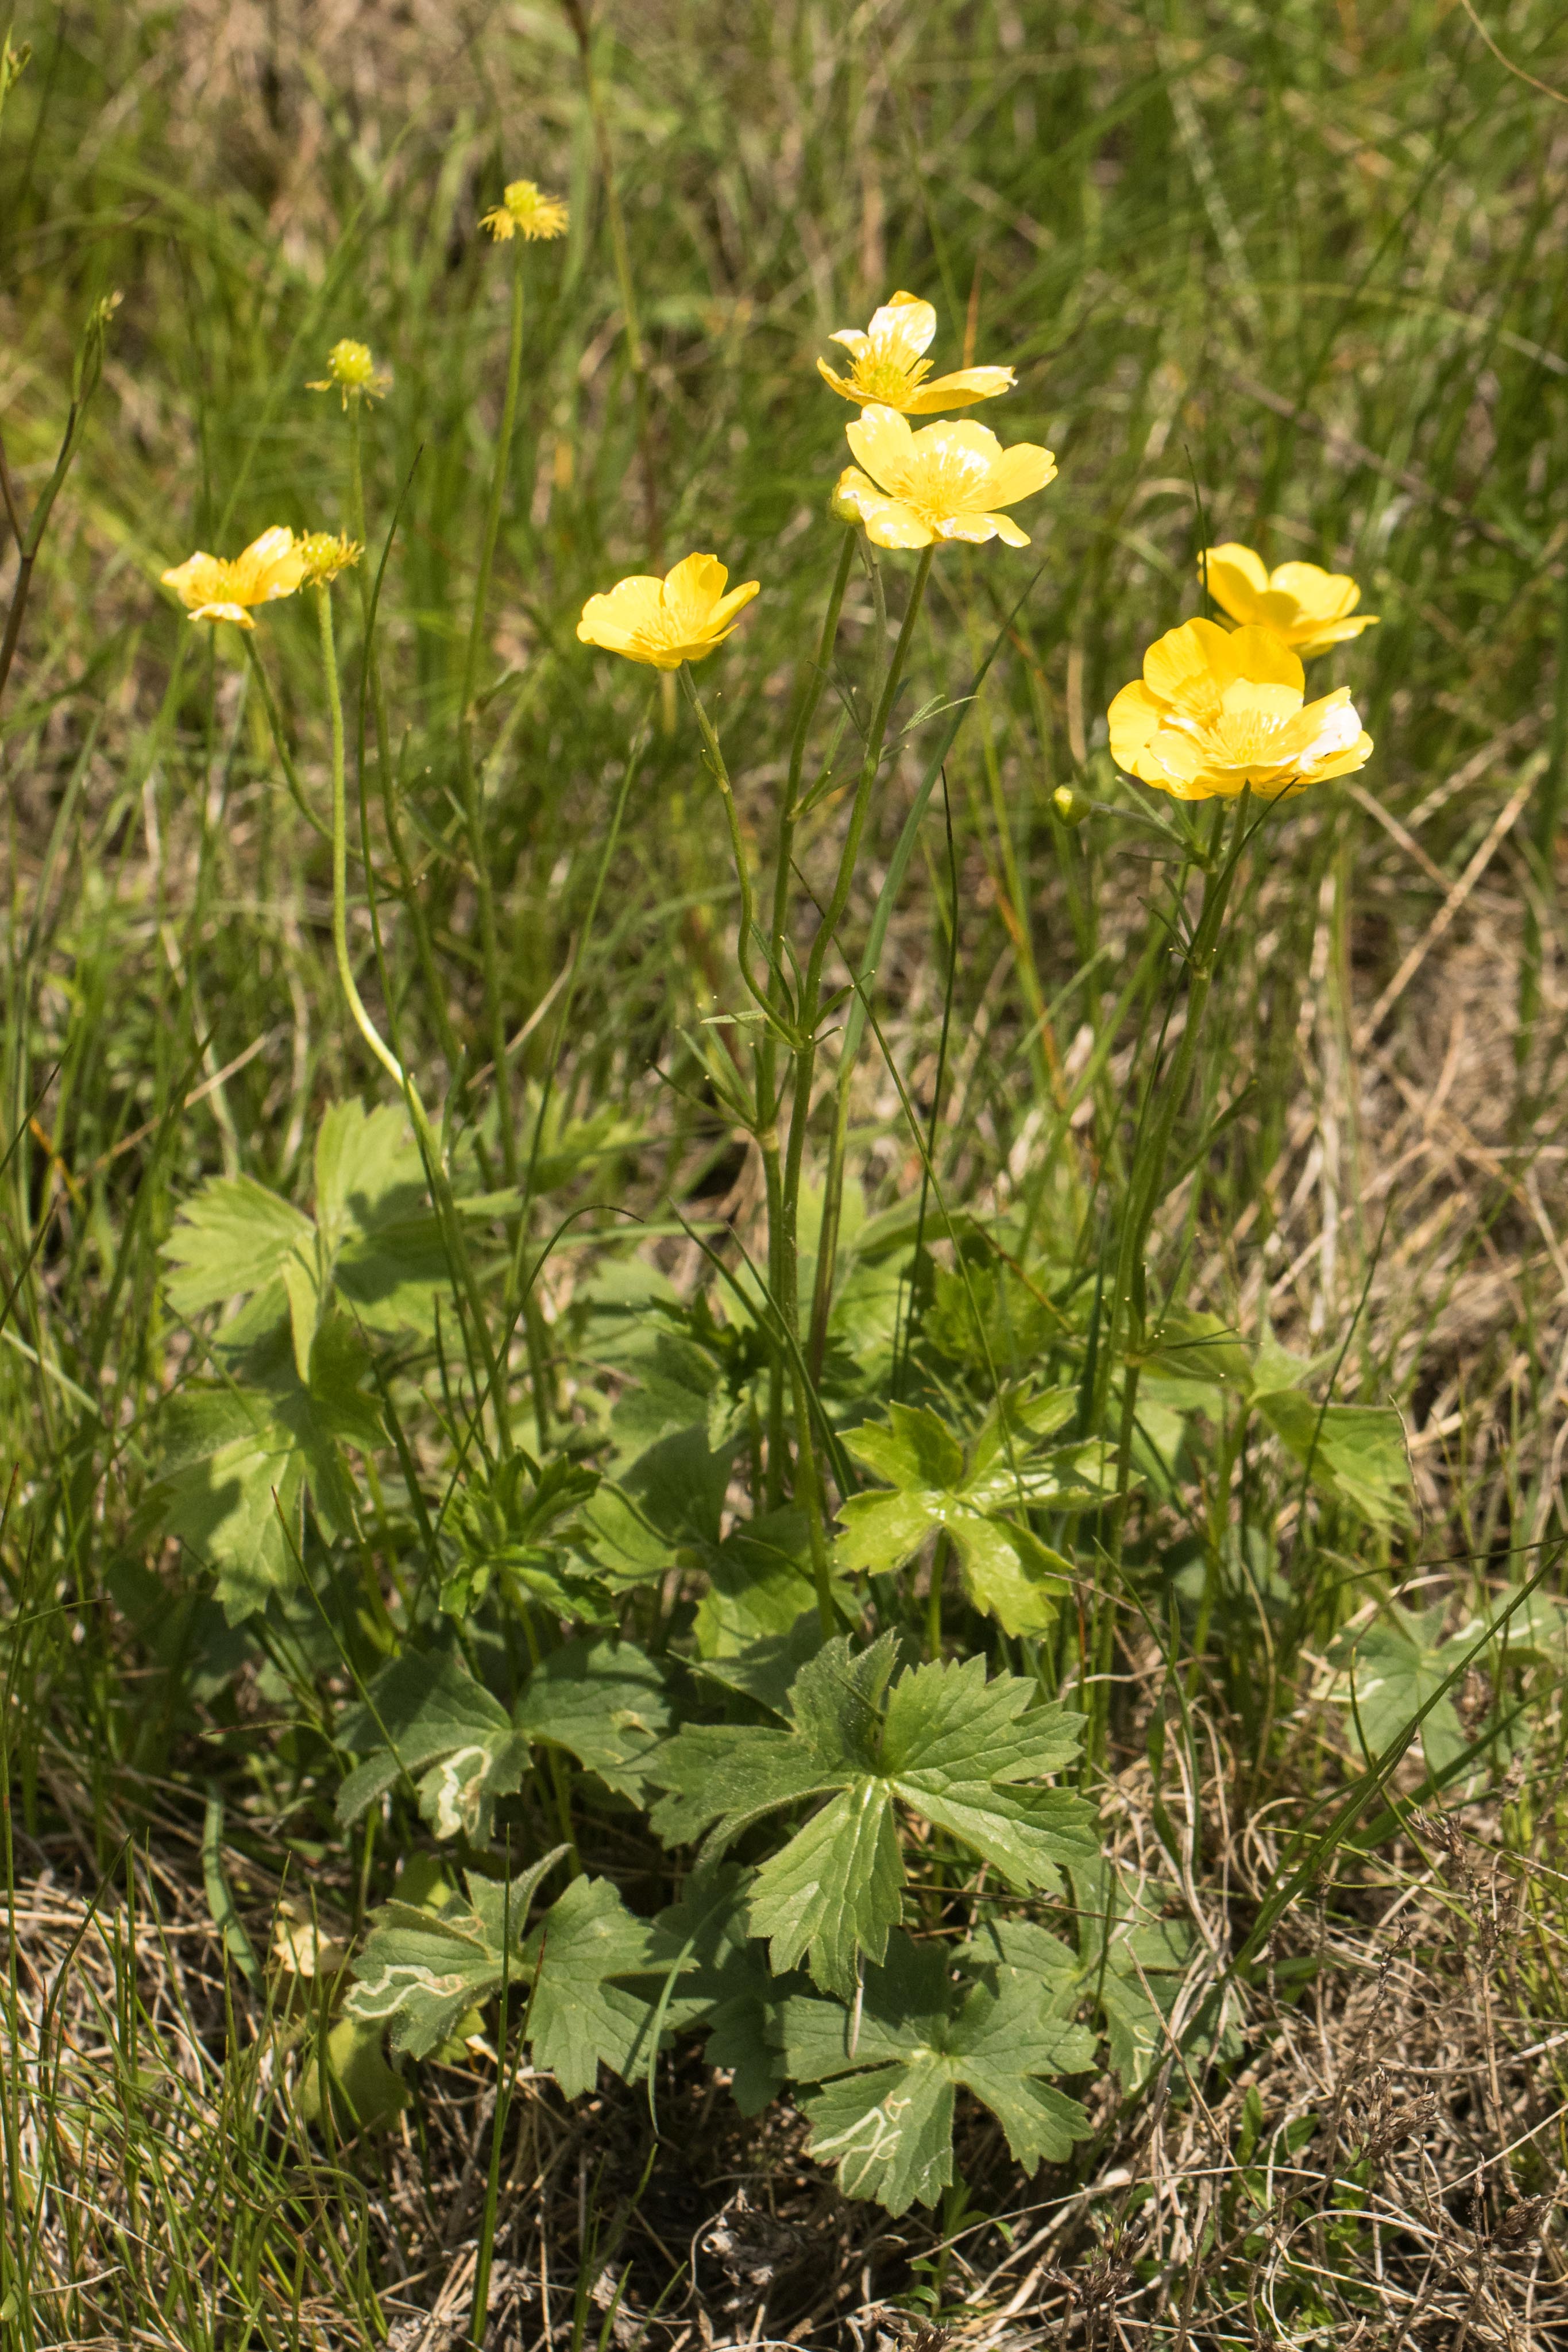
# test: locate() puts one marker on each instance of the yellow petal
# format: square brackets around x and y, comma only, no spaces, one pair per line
[1259,655]
[838,382]
[1318,596]
[854,338]
[1344,763]
[974,527]
[234,613]
[1019,472]
[1135,716]
[1237,579]
[905,319]
[734,602]
[694,587]
[936,440]
[613,619]
[1335,633]
[1267,699]
[1173,762]
[271,546]
[1181,666]
[195,580]
[960,388]
[883,442]
[888,523]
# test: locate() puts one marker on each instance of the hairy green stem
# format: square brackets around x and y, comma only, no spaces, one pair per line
[473,812]
[1128,1317]
[811,992]
[436,1169]
[767,1050]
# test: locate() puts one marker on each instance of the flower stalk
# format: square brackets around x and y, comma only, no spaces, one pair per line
[429,1145]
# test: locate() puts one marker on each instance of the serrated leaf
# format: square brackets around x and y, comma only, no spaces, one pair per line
[512,1523]
[836,1888]
[889,2134]
[665,1511]
[1131,1961]
[758,1583]
[1190,1344]
[943,1740]
[892,2062]
[1388,1672]
[1356,1452]
[420,1972]
[232,1237]
[240,1458]
[374,1244]
[978,1497]
[578,2016]
[427,1716]
[605,1702]
[367,1169]
[766,1669]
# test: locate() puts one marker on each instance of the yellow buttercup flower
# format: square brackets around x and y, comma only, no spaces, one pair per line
[213,588]
[890,372]
[525,211]
[352,370]
[945,482]
[1217,711]
[1311,609]
[326,554]
[664,623]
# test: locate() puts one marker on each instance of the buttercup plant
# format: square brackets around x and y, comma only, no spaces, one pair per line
[809,1597]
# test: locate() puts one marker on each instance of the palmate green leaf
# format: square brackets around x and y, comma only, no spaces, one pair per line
[605,1702]
[891,2063]
[241,1458]
[425,1716]
[233,1238]
[943,1740]
[978,1497]
[1130,1963]
[578,2016]
[420,1972]
[665,1512]
[758,1583]
[1389,1670]
[373,1249]
[511,1526]
[1356,1452]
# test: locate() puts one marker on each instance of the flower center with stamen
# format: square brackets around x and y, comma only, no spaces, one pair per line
[949,482]
[887,376]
